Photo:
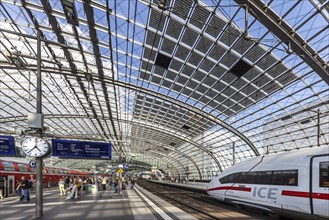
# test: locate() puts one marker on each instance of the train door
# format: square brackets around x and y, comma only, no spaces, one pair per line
[11,185]
[3,186]
[320,186]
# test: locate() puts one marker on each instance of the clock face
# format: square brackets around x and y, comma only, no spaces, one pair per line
[35,147]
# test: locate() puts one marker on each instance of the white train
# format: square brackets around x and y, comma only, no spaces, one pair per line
[294,183]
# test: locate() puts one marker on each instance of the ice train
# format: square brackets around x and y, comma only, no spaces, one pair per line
[294,183]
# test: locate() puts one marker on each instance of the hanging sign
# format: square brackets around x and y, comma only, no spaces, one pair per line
[81,149]
[7,146]
[120,170]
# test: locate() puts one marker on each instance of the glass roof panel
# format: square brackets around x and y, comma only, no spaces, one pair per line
[166,81]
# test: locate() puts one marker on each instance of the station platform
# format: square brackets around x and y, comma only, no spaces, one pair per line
[136,204]
[200,186]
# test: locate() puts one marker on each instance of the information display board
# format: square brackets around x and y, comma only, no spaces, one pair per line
[7,146]
[81,149]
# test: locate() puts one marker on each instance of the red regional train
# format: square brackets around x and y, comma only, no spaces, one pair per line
[12,171]
[294,183]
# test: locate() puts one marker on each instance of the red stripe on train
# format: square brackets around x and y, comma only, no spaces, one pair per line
[324,196]
[246,189]
[315,195]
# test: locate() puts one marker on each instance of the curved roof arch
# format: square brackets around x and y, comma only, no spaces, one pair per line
[171,149]
[217,82]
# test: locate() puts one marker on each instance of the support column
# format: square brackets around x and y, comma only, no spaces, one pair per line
[39,161]
[120,175]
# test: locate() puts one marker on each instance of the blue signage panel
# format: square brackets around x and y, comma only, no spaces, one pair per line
[7,146]
[32,164]
[81,149]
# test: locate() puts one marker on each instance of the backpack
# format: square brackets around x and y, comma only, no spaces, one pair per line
[29,184]
[67,181]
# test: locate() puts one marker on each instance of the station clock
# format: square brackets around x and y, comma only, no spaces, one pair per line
[35,147]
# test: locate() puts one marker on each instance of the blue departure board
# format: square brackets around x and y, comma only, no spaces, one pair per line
[81,149]
[7,146]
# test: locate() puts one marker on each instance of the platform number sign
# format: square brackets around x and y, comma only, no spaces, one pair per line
[32,163]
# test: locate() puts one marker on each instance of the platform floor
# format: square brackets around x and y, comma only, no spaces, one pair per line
[136,204]
[193,185]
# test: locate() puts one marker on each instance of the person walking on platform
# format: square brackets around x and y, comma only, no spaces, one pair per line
[104,182]
[61,185]
[67,182]
[74,191]
[19,190]
[116,185]
[80,186]
[132,183]
[25,188]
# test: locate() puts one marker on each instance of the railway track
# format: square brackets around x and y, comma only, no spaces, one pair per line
[200,205]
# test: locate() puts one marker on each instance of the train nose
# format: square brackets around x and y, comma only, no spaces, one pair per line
[209,185]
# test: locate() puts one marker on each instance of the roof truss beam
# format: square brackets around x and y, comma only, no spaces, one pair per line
[94,39]
[155,128]
[172,149]
[288,35]
[163,97]
[56,28]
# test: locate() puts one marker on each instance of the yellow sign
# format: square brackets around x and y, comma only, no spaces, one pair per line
[120,170]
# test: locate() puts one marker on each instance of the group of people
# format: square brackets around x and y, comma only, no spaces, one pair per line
[115,183]
[72,186]
[23,188]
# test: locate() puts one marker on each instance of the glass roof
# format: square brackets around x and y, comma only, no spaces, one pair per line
[190,86]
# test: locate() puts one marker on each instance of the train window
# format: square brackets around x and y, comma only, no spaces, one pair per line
[8,166]
[258,177]
[241,177]
[324,174]
[283,177]
[233,178]
[226,179]
[223,180]
[269,177]
[278,177]
[22,167]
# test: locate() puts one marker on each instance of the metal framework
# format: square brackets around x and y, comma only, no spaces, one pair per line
[287,34]
[192,81]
